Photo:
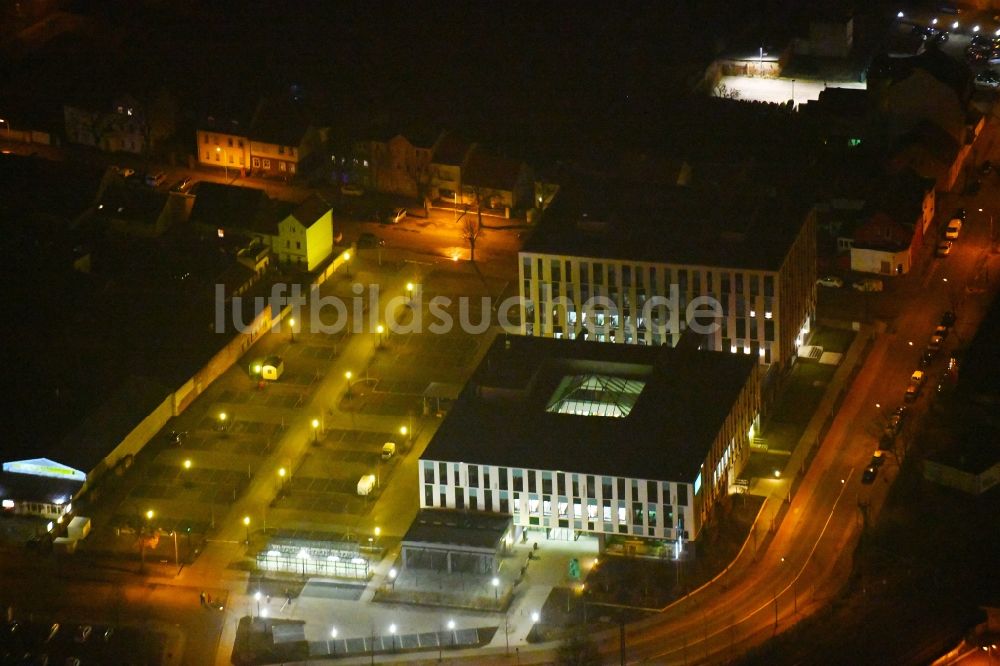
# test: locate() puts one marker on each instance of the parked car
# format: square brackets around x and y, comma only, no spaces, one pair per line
[953,229]
[388,450]
[155,179]
[878,458]
[943,248]
[398,215]
[916,384]
[352,190]
[935,343]
[959,215]
[941,331]
[897,420]
[868,284]
[83,633]
[369,240]
[868,476]
[184,184]
[927,357]
[982,41]
[124,172]
[366,484]
[830,281]
[987,79]
[948,319]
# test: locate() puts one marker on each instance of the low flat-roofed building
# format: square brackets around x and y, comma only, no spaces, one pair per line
[39,487]
[577,436]
[457,541]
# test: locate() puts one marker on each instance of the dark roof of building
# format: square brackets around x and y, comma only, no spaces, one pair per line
[472,529]
[279,121]
[311,210]
[485,169]
[603,218]
[225,124]
[978,376]
[233,207]
[901,196]
[131,201]
[840,102]
[501,417]
[98,435]
[451,150]
[932,138]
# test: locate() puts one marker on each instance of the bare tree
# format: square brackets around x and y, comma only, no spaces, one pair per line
[723,91]
[472,227]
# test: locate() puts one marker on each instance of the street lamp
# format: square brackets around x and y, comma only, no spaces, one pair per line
[496,590]
[535,616]
[143,533]
[380,329]
[256,595]
[291,329]
[347,376]
[187,470]
[7,123]
[409,291]
[222,420]
[246,523]
[315,427]
[405,432]
[392,634]
[333,636]
[378,531]
[347,263]
[218,151]
[392,577]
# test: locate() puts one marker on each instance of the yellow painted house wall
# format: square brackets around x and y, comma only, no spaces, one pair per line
[314,243]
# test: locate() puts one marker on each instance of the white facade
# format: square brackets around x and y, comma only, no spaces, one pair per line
[766,313]
[564,500]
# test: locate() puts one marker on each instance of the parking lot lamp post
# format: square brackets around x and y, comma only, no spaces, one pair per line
[347,263]
[246,523]
[378,531]
[380,330]
[187,473]
[281,474]
[291,329]
[496,590]
[392,577]
[222,421]
[315,427]
[256,596]
[332,647]
[392,636]
[409,292]
[347,376]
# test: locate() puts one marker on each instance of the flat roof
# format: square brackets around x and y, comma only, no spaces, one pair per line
[605,218]
[472,529]
[33,488]
[504,416]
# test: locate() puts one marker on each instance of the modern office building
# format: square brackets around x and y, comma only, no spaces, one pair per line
[754,255]
[573,436]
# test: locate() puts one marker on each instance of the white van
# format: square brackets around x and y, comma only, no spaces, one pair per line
[366,484]
[388,450]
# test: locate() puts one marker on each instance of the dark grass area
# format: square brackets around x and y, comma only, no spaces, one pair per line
[647,583]
[920,575]
[833,339]
[801,393]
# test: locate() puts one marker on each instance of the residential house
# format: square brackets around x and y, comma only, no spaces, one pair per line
[932,152]
[223,142]
[281,138]
[450,154]
[497,182]
[900,211]
[399,163]
[228,210]
[133,209]
[305,236]
[119,126]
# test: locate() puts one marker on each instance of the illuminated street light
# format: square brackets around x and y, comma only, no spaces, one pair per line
[187,464]
[333,635]
[256,596]
[315,427]
[150,514]
[347,376]
[934,21]
[535,616]
[409,291]
[899,15]
[496,589]
[954,26]
[975,28]
[246,523]
[291,329]
[225,164]
[380,329]
[392,633]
